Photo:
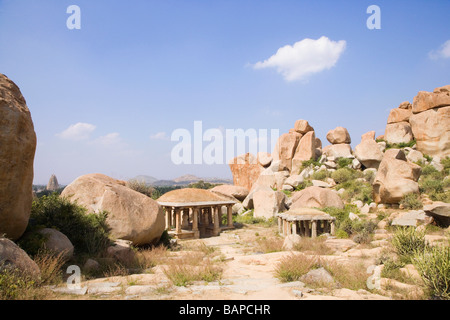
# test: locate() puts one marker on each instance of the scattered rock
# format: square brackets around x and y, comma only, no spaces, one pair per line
[12,257]
[245,169]
[440,211]
[338,136]
[395,178]
[291,241]
[316,197]
[58,243]
[318,276]
[237,192]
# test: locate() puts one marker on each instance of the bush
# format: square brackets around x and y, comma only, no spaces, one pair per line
[141,187]
[343,175]
[344,162]
[15,285]
[89,233]
[407,241]
[293,267]
[411,201]
[320,175]
[357,190]
[433,264]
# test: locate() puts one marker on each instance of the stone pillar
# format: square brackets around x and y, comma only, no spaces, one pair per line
[230,216]
[307,231]
[216,230]
[301,228]
[206,216]
[294,227]
[168,212]
[314,229]
[195,223]
[185,218]
[178,220]
[332,228]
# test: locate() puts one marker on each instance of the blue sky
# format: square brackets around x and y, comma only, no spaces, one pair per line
[106,98]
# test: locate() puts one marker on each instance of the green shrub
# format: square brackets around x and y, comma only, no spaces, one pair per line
[433,264]
[407,241]
[411,201]
[446,163]
[400,145]
[312,162]
[89,233]
[343,175]
[344,162]
[15,285]
[357,190]
[320,175]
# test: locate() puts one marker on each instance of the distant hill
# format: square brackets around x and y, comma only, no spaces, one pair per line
[188,179]
[146,179]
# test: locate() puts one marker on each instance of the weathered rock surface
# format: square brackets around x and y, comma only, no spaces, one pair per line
[440,211]
[237,192]
[306,150]
[368,152]
[431,130]
[12,257]
[338,136]
[396,177]
[57,242]
[285,149]
[245,169]
[17,150]
[399,132]
[399,115]
[316,197]
[131,215]
[267,202]
[303,126]
[338,151]
[428,100]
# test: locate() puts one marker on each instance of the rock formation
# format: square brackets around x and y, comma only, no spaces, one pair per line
[427,121]
[368,152]
[396,177]
[12,257]
[131,215]
[245,170]
[18,146]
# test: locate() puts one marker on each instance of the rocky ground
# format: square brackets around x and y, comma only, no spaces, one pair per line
[249,272]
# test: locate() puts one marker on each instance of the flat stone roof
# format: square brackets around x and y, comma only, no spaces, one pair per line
[305,214]
[191,197]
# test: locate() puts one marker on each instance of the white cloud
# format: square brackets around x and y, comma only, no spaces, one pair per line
[442,53]
[159,136]
[304,58]
[111,139]
[77,132]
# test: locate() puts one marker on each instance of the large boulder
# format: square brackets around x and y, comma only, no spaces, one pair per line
[342,150]
[338,136]
[306,150]
[399,115]
[302,126]
[399,132]
[58,243]
[440,211]
[237,192]
[17,149]
[368,152]
[267,202]
[285,149]
[245,169]
[131,215]
[316,197]
[431,130]
[429,100]
[14,258]
[396,177]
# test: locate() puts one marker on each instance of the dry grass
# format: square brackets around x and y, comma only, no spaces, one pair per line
[50,266]
[294,266]
[350,276]
[149,258]
[313,246]
[268,245]
[190,267]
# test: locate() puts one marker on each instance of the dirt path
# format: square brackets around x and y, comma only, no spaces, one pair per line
[247,275]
